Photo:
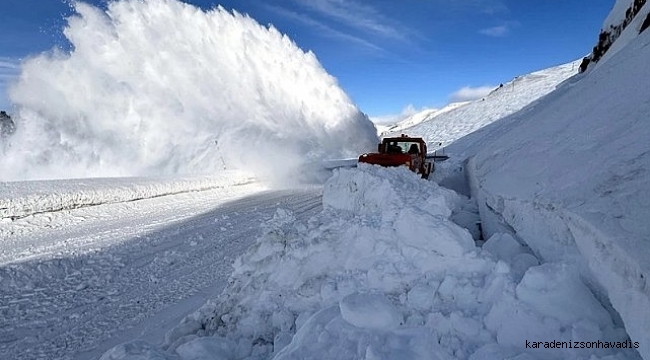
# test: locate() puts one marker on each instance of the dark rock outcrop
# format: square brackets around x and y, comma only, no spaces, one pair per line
[607,36]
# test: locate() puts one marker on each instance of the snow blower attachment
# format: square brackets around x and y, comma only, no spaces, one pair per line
[403,151]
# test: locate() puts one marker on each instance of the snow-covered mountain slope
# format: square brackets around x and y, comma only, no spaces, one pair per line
[569,177]
[417,118]
[443,127]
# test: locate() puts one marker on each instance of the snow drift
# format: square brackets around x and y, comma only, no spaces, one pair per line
[162,87]
[382,273]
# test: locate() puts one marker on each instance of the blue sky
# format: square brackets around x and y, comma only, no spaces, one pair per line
[386,55]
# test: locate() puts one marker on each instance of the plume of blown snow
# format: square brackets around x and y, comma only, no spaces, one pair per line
[162,87]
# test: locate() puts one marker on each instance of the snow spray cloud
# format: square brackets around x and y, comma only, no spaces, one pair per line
[161,87]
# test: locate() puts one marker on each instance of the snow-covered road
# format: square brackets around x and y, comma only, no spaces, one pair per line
[74,283]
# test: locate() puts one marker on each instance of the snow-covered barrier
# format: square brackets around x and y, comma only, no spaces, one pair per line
[602,260]
[20,199]
[382,273]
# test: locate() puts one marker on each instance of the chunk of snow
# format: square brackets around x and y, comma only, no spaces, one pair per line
[556,291]
[211,347]
[370,311]
[503,246]
[137,350]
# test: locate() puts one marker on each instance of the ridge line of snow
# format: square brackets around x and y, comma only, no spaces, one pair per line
[22,199]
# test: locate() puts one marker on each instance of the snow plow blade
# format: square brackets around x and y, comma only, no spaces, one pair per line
[339,163]
[437,158]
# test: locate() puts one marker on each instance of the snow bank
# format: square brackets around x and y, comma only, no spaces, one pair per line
[358,281]
[20,199]
[569,177]
[162,87]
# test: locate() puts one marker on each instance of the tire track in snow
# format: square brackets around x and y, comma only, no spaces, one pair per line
[78,306]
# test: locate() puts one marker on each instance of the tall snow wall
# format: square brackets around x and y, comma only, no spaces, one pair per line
[570,177]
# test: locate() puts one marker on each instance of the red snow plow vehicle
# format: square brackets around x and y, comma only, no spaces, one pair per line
[403,151]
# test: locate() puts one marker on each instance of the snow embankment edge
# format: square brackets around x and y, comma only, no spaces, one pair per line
[22,199]
[556,234]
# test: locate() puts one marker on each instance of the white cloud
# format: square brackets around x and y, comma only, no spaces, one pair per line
[469,93]
[494,7]
[359,16]
[490,7]
[9,70]
[496,31]
[408,111]
[500,30]
[323,29]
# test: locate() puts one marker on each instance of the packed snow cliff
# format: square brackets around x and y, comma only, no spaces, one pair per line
[569,177]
